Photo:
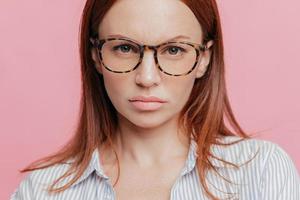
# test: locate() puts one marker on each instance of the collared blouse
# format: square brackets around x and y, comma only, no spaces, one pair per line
[270,175]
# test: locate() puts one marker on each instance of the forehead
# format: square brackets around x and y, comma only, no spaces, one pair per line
[150,21]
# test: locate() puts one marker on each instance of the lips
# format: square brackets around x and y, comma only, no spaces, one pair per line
[147,99]
[150,103]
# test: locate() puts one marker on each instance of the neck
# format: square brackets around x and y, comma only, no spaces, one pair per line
[147,147]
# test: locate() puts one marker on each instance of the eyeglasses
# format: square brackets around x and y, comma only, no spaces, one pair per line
[121,55]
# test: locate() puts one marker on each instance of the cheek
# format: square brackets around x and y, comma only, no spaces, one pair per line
[115,87]
[180,91]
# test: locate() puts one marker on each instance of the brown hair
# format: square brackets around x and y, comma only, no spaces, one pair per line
[203,116]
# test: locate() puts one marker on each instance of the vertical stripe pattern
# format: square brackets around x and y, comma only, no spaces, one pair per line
[270,175]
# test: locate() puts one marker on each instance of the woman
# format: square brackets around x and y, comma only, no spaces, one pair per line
[153,111]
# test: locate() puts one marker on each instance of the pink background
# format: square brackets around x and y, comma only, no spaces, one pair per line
[39,75]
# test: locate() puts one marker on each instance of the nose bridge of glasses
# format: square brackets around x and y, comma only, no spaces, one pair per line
[150,47]
[151,59]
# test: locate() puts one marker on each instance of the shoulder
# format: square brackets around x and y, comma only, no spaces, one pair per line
[259,151]
[264,166]
[35,183]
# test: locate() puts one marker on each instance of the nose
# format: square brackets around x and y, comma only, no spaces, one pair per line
[148,73]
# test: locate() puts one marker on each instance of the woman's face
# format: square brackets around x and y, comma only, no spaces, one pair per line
[150,22]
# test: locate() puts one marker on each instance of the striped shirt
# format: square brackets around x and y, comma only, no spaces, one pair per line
[270,175]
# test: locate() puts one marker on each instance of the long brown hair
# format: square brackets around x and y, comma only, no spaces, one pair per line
[203,116]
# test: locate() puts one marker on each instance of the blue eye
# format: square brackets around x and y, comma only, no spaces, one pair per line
[125,48]
[173,50]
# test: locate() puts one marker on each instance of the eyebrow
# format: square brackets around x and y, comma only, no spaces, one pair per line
[171,39]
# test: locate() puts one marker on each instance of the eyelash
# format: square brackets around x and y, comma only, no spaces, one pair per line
[116,48]
[131,47]
[170,47]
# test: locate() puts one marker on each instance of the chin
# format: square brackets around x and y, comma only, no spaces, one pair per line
[147,125]
[146,120]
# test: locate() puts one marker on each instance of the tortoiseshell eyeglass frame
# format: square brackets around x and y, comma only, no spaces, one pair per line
[98,44]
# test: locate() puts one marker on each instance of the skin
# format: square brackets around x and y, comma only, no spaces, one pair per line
[147,141]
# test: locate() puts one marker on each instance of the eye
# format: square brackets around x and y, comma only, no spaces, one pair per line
[174,50]
[125,48]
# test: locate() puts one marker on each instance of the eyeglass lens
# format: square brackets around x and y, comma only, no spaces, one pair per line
[174,58]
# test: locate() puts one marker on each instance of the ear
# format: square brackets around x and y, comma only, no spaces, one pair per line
[204,60]
[95,58]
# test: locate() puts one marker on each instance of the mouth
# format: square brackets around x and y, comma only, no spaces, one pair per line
[147,103]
